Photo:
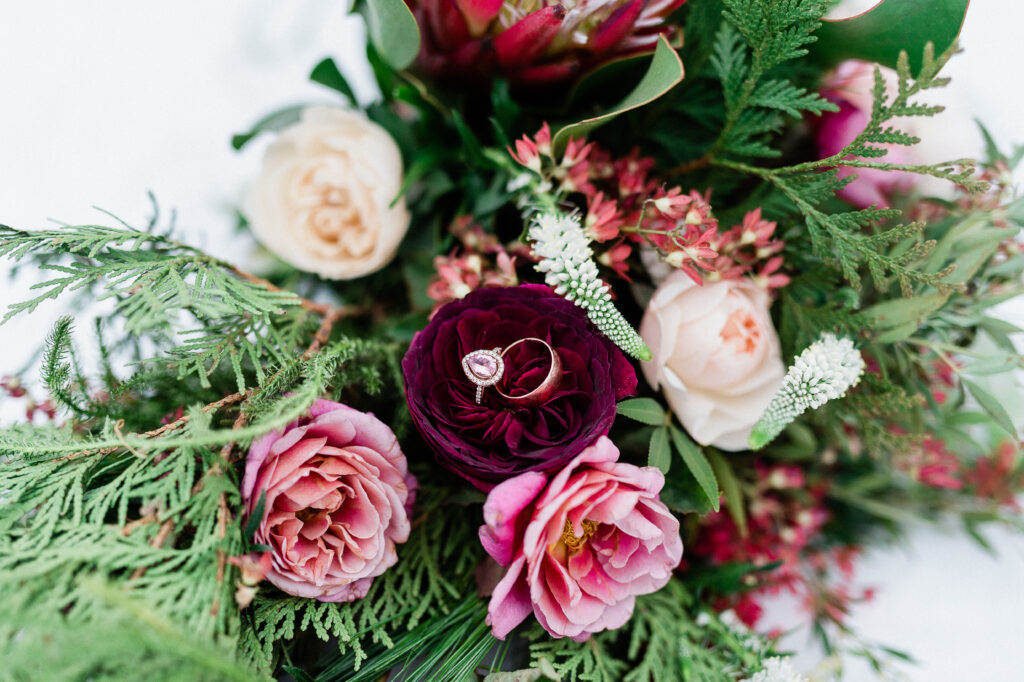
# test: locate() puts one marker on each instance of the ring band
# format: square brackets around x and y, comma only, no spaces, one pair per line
[486,367]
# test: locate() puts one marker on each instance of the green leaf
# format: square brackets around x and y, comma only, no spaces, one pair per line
[664,73]
[660,452]
[299,674]
[643,410]
[879,34]
[899,312]
[326,73]
[698,465]
[393,31]
[731,487]
[256,518]
[989,403]
[282,118]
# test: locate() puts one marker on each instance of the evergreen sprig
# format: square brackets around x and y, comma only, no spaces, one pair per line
[756,37]
[662,642]
[855,240]
[154,280]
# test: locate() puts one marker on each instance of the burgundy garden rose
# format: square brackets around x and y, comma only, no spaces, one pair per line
[534,43]
[492,441]
[338,499]
[580,548]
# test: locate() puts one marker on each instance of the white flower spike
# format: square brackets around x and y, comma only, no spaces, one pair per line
[824,371]
[567,262]
[777,669]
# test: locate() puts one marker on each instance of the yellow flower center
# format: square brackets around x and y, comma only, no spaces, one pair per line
[574,543]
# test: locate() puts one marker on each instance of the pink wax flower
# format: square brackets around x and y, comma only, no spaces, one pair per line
[850,88]
[338,499]
[579,548]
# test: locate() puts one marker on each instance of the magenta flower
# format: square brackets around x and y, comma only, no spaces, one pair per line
[579,548]
[338,496]
[489,442]
[850,88]
[530,42]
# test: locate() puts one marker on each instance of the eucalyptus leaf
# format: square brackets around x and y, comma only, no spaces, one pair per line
[328,74]
[663,74]
[879,34]
[393,31]
[282,118]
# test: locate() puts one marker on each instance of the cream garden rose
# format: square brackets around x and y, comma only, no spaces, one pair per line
[322,202]
[716,356]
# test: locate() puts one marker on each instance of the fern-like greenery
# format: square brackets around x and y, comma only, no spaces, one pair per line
[662,643]
[157,282]
[757,37]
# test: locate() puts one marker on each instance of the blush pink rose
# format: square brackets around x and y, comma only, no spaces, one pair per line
[580,548]
[717,357]
[338,499]
[850,87]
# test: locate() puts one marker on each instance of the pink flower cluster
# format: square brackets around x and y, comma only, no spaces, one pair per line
[12,386]
[998,477]
[932,464]
[626,206]
[480,261]
[580,547]
[784,516]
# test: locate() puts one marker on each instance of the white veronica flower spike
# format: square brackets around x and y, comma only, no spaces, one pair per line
[566,260]
[824,371]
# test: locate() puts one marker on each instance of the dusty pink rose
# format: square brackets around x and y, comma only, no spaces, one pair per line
[580,548]
[338,498]
[717,356]
[850,88]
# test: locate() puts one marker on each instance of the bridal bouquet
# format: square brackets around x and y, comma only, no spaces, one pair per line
[603,321]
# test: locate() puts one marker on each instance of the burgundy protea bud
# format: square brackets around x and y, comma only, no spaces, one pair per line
[534,42]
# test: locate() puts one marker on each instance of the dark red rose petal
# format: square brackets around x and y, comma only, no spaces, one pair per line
[496,439]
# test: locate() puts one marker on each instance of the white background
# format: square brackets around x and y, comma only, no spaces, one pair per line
[102,101]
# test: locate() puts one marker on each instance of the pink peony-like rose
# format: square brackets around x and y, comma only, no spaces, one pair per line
[338,499]
[580,548]
[717,357]
[850,87]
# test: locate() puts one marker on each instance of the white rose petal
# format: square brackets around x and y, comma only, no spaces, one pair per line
[322,201]
[717,357]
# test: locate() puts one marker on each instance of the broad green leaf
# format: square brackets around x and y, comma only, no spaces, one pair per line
[900,333]
[900,312]
[996,364]
[698,465]
[731,487]
[393,31]
[643,410]
[282,118]
[659,454]
[879,34]
[326,73]
[990,404]
[664,73]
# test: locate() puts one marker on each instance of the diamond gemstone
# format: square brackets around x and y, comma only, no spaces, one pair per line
[483,367]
